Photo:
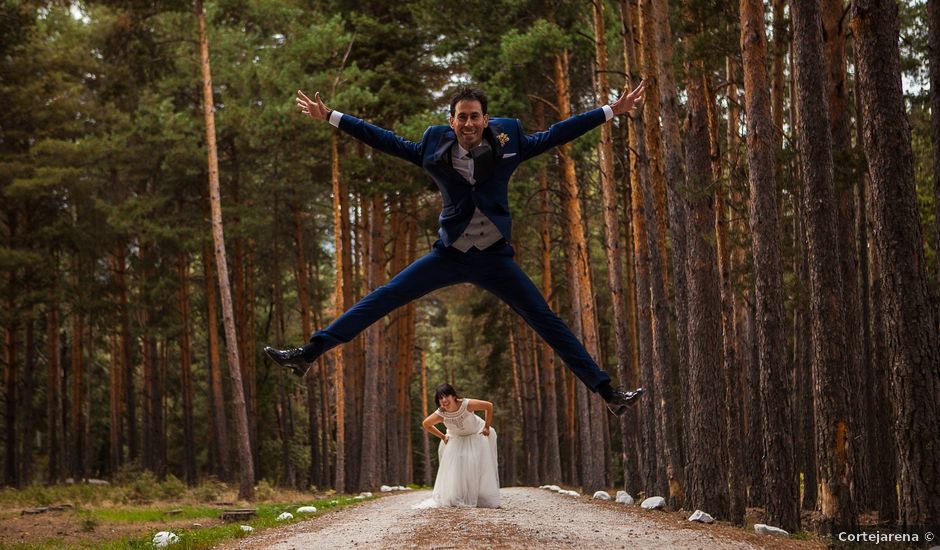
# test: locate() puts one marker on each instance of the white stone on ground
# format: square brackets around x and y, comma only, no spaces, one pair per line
[764,529]
[701,516]
[164,539]
[569,493]
[247,528]
[601,495]
[306,509]
[624,497]
[365,494]
[555,488]
[654,503]
[385,489]
[285,516]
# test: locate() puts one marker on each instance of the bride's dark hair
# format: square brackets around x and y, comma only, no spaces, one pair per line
[442,390]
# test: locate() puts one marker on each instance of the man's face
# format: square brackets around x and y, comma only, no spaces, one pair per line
[468,123]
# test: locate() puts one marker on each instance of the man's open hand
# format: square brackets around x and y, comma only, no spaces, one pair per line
[628,100]
[314,108]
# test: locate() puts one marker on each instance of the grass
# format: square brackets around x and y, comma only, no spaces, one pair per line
[92,518]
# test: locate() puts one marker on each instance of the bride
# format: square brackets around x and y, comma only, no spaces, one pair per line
[467,474]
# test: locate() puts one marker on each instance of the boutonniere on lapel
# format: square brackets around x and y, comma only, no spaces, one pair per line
[502,138]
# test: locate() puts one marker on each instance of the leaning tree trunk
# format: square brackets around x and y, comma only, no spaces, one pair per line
[908,322]
[830,391]
[246,463]
[781,480]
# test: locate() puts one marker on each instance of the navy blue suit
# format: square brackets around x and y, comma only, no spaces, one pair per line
[492,269]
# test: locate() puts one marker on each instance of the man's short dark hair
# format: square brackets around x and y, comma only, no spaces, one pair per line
[468,93]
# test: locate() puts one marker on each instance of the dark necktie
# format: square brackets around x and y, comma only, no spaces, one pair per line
[482,156]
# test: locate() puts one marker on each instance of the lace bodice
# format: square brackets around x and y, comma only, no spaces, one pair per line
[461,421]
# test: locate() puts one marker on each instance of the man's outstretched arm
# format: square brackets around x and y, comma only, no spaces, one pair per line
[373,136]
[576,126]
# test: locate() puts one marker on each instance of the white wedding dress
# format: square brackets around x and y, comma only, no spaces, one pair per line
[467,474]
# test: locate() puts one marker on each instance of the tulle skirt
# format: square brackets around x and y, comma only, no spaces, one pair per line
[467,474]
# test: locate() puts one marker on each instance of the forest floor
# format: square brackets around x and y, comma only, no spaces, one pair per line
[528,518]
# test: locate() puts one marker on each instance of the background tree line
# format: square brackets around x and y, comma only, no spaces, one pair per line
[757,246]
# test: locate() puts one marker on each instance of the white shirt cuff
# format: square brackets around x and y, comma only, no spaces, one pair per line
[608,112]
[336,116]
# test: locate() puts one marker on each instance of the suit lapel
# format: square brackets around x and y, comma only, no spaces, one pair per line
[442,155]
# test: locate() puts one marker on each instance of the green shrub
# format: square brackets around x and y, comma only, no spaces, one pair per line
[171,488]
[264,490]
[142,488]
[208,491]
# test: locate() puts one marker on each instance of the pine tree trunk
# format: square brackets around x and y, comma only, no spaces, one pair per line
[830,390]
[427,474]
[219,421]
[115,402]
[239,409]
[907,316]
[731,365]
[773,405]
[705,423]
[844,181]
[656,30]
[372,436]
[186,374]
[551,454]
[341,292]
[933,64]
[612,244]
[55,449]
[883,466]
[77,412]
[27,424]
[777,80]
[11,453]
[592,413]
[666,419]
[631,427]
[127,371]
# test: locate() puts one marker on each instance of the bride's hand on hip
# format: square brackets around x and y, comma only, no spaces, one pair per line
[446,439]
[485,431]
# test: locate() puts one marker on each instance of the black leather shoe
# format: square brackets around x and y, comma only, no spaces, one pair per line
[622,399]
[291,358]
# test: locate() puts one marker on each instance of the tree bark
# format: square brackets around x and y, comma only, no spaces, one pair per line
[246,462]
[933,64]
[830,392]
[781,481]
[342,290]
[908,319]
[373,442]
[731,365]
[54,396]
[551,471]
[217,395]
[705,423]
[186,374]
[592,413]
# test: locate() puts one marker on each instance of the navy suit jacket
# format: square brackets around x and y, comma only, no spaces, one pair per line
[511,146]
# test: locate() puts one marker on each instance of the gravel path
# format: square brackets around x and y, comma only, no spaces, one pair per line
[529,518]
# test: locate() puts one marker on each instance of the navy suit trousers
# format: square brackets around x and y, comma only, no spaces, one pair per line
[493,270]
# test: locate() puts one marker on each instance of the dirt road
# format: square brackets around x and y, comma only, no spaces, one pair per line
[529,518]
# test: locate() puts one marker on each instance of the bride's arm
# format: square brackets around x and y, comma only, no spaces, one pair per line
[477,405]
[429,425]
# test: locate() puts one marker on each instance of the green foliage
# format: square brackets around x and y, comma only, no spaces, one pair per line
[208,491]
